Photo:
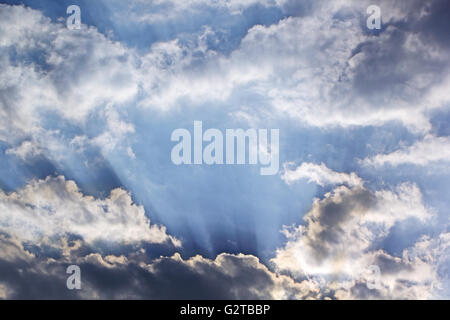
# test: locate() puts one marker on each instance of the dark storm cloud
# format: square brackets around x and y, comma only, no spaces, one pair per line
[27,276]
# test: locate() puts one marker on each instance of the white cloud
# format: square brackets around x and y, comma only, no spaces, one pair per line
[324,85]
[55,207]
[27,149]
[431,149]
[116,131]
[323,70]
[413,275]
[338,243]
[173,72]
[319,174]
[80,71]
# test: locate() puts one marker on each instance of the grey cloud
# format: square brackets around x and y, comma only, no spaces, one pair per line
[339,242]
[120,277]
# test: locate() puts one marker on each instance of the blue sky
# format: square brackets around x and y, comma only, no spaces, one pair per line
[86,175]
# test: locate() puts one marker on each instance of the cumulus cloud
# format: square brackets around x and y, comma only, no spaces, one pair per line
[430,150]
[320,174]
[55,207]
[327,258]
[228,276]
[324,70]
[26,150]
[356,79]
[79,71]
[338,244]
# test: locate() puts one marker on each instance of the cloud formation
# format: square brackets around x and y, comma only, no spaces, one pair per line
[27,275]
[339,243]
[319,174]
[430,150]
[328,257]
[358,79]
[314,65]
[55,207]
[78,72]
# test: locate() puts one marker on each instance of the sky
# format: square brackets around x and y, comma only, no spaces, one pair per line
[357,210]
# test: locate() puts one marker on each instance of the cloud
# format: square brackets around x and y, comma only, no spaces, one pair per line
[357,79]
[78,72]
[26,150]
[132,275]
[415,274]
[55,207]
[324,70]
[338,243]
[228,276]
[424,152]
[319,174]
[162,11]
